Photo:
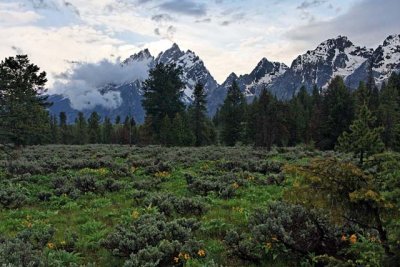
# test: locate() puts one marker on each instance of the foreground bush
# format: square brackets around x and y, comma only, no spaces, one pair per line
[12,196]
[152,240]
[284,228]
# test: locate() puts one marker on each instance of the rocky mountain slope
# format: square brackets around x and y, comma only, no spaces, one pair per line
[337,56]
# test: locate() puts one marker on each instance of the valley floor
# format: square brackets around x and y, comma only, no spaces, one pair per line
[90,205]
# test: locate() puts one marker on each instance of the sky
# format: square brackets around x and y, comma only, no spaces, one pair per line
[229,35]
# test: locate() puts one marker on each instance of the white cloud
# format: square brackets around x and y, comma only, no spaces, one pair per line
[83,83]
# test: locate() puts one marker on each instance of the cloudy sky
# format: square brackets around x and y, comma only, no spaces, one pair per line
[229,35]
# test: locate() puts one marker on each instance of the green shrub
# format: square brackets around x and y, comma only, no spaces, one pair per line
[17,252]
[282,228]
[153,240]
[12,196]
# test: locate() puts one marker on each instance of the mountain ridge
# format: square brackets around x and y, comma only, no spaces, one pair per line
[335,56]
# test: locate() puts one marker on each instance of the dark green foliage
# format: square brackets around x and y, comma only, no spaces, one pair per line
[107,131]
[363,140]
[231,116]
[23,118]
[201,126]
[81,130]
[300,110]
[267,122]
[337,113]
[94,128]
[389,116]
[162,94]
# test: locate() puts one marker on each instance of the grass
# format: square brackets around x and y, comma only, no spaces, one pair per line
[92,216]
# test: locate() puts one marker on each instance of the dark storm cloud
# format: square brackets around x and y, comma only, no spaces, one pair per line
[187,7]
[368,22]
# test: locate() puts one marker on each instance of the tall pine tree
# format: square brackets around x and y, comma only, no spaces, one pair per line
[200,125]
[232,115]
[22,101]
[362,139]
[337,113]
[162,94]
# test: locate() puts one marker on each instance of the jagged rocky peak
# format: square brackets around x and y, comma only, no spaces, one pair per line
[229,80]
[266,67]
[392,40]
[386,58]
[333,51]
[170,55]
[143,55]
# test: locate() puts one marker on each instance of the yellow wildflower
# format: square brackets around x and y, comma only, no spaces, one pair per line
[176,259]
[201,253]
[235,185]
[268,245]
[353,239]
[186,256]
[63,243]
[51,245]
[135,214]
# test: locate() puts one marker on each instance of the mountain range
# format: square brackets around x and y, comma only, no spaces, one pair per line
[337,56]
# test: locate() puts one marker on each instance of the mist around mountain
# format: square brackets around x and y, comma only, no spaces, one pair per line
[115,89]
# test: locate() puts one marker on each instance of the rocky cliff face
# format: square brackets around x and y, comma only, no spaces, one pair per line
[338,56]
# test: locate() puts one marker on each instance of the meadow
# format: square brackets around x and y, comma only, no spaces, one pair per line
[113,205]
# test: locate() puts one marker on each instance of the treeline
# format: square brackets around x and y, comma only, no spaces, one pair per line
[362,121]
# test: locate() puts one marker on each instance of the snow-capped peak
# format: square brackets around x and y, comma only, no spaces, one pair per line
[392,40]
[386,58]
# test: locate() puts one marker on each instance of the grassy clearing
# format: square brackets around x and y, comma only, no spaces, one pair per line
[83,213]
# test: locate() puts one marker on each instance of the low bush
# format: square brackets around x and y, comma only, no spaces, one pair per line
[225,186]
[12,195]
[282,228]
[168,204]
[152,240]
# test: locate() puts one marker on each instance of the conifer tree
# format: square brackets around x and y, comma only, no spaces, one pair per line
[300,114]
[118,120]
[94,128]
[198,117]
[270,126]
[65,130]
[232,115]
[22,101]
[362,139]
[54,130]
[337,113]
[107,131]
[124,132]
[166,134]
[145,132]
[162,94]
[389,116]
[181,134]
[314,127]
[81,131]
